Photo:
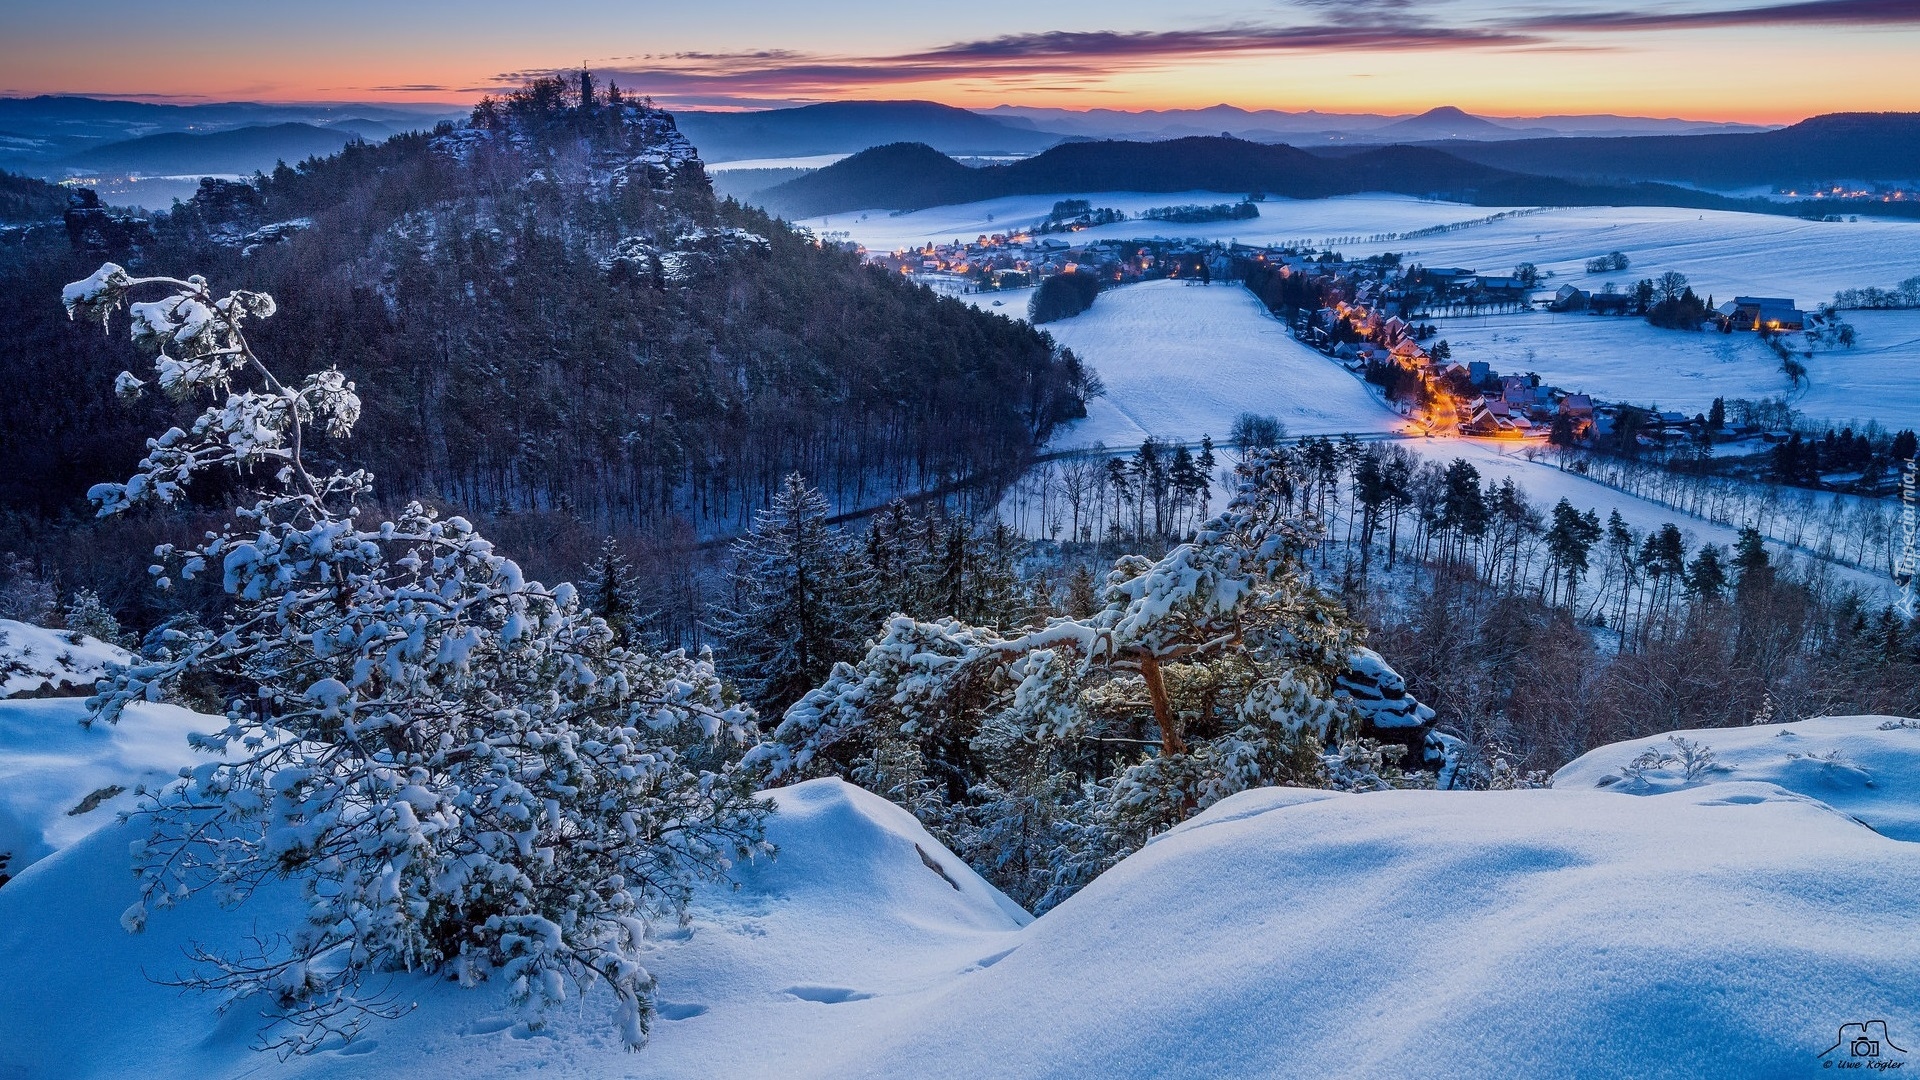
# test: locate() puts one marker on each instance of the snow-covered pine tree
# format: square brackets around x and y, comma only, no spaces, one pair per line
[801,600]
[1221,656]
[461,768]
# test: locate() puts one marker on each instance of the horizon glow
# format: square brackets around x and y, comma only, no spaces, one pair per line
[1725,60]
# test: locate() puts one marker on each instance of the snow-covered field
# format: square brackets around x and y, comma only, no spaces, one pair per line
[1730,924]
[1626,359]
[812,161]
[1721,253]
[1181,361]
[1280,220]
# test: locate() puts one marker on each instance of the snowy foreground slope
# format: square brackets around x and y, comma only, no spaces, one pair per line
[1654,926]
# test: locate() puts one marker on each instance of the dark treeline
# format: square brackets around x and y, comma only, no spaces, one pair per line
[1063,296]
[551,317]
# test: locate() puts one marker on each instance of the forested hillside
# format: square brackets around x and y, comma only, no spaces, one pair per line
[548,310]
[25,199]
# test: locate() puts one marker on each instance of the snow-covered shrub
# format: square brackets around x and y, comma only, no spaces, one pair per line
[87,614]
[462,768]
[1692,760]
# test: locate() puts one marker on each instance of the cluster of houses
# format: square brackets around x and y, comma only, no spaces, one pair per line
[1355,329]
[1016,259]
[1753,313]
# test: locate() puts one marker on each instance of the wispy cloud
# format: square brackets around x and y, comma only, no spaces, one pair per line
[1055,60]
[1863,13]
[1084,60]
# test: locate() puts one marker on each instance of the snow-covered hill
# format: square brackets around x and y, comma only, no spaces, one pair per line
[1652,925]
[35,660]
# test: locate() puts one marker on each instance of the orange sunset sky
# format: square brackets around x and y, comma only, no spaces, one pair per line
[1726,61]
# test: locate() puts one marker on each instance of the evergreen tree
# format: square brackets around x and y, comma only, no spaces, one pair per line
[1753,568]
[801,600]
[1207,462]
[891,558]
[1569,540]
[1905,446]
[1083,596]
[1707,574]
[612,590]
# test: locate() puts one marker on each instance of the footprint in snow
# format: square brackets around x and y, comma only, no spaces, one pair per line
[678,1010]
[826,995]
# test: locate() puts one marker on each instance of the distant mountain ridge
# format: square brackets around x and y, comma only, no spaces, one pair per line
[908,176]
[1445,122]
[1275,125]
[42,132]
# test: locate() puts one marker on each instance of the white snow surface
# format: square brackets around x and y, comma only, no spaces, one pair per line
[1726,928]
[1721,252]
[1181,361]
[34,659]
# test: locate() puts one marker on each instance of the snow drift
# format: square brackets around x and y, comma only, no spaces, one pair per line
[60,780]
[1723,924]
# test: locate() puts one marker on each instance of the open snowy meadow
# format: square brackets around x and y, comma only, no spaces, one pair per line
[1280,220]
[1181,361]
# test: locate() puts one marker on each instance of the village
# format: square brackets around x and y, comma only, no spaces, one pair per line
[1370,316]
